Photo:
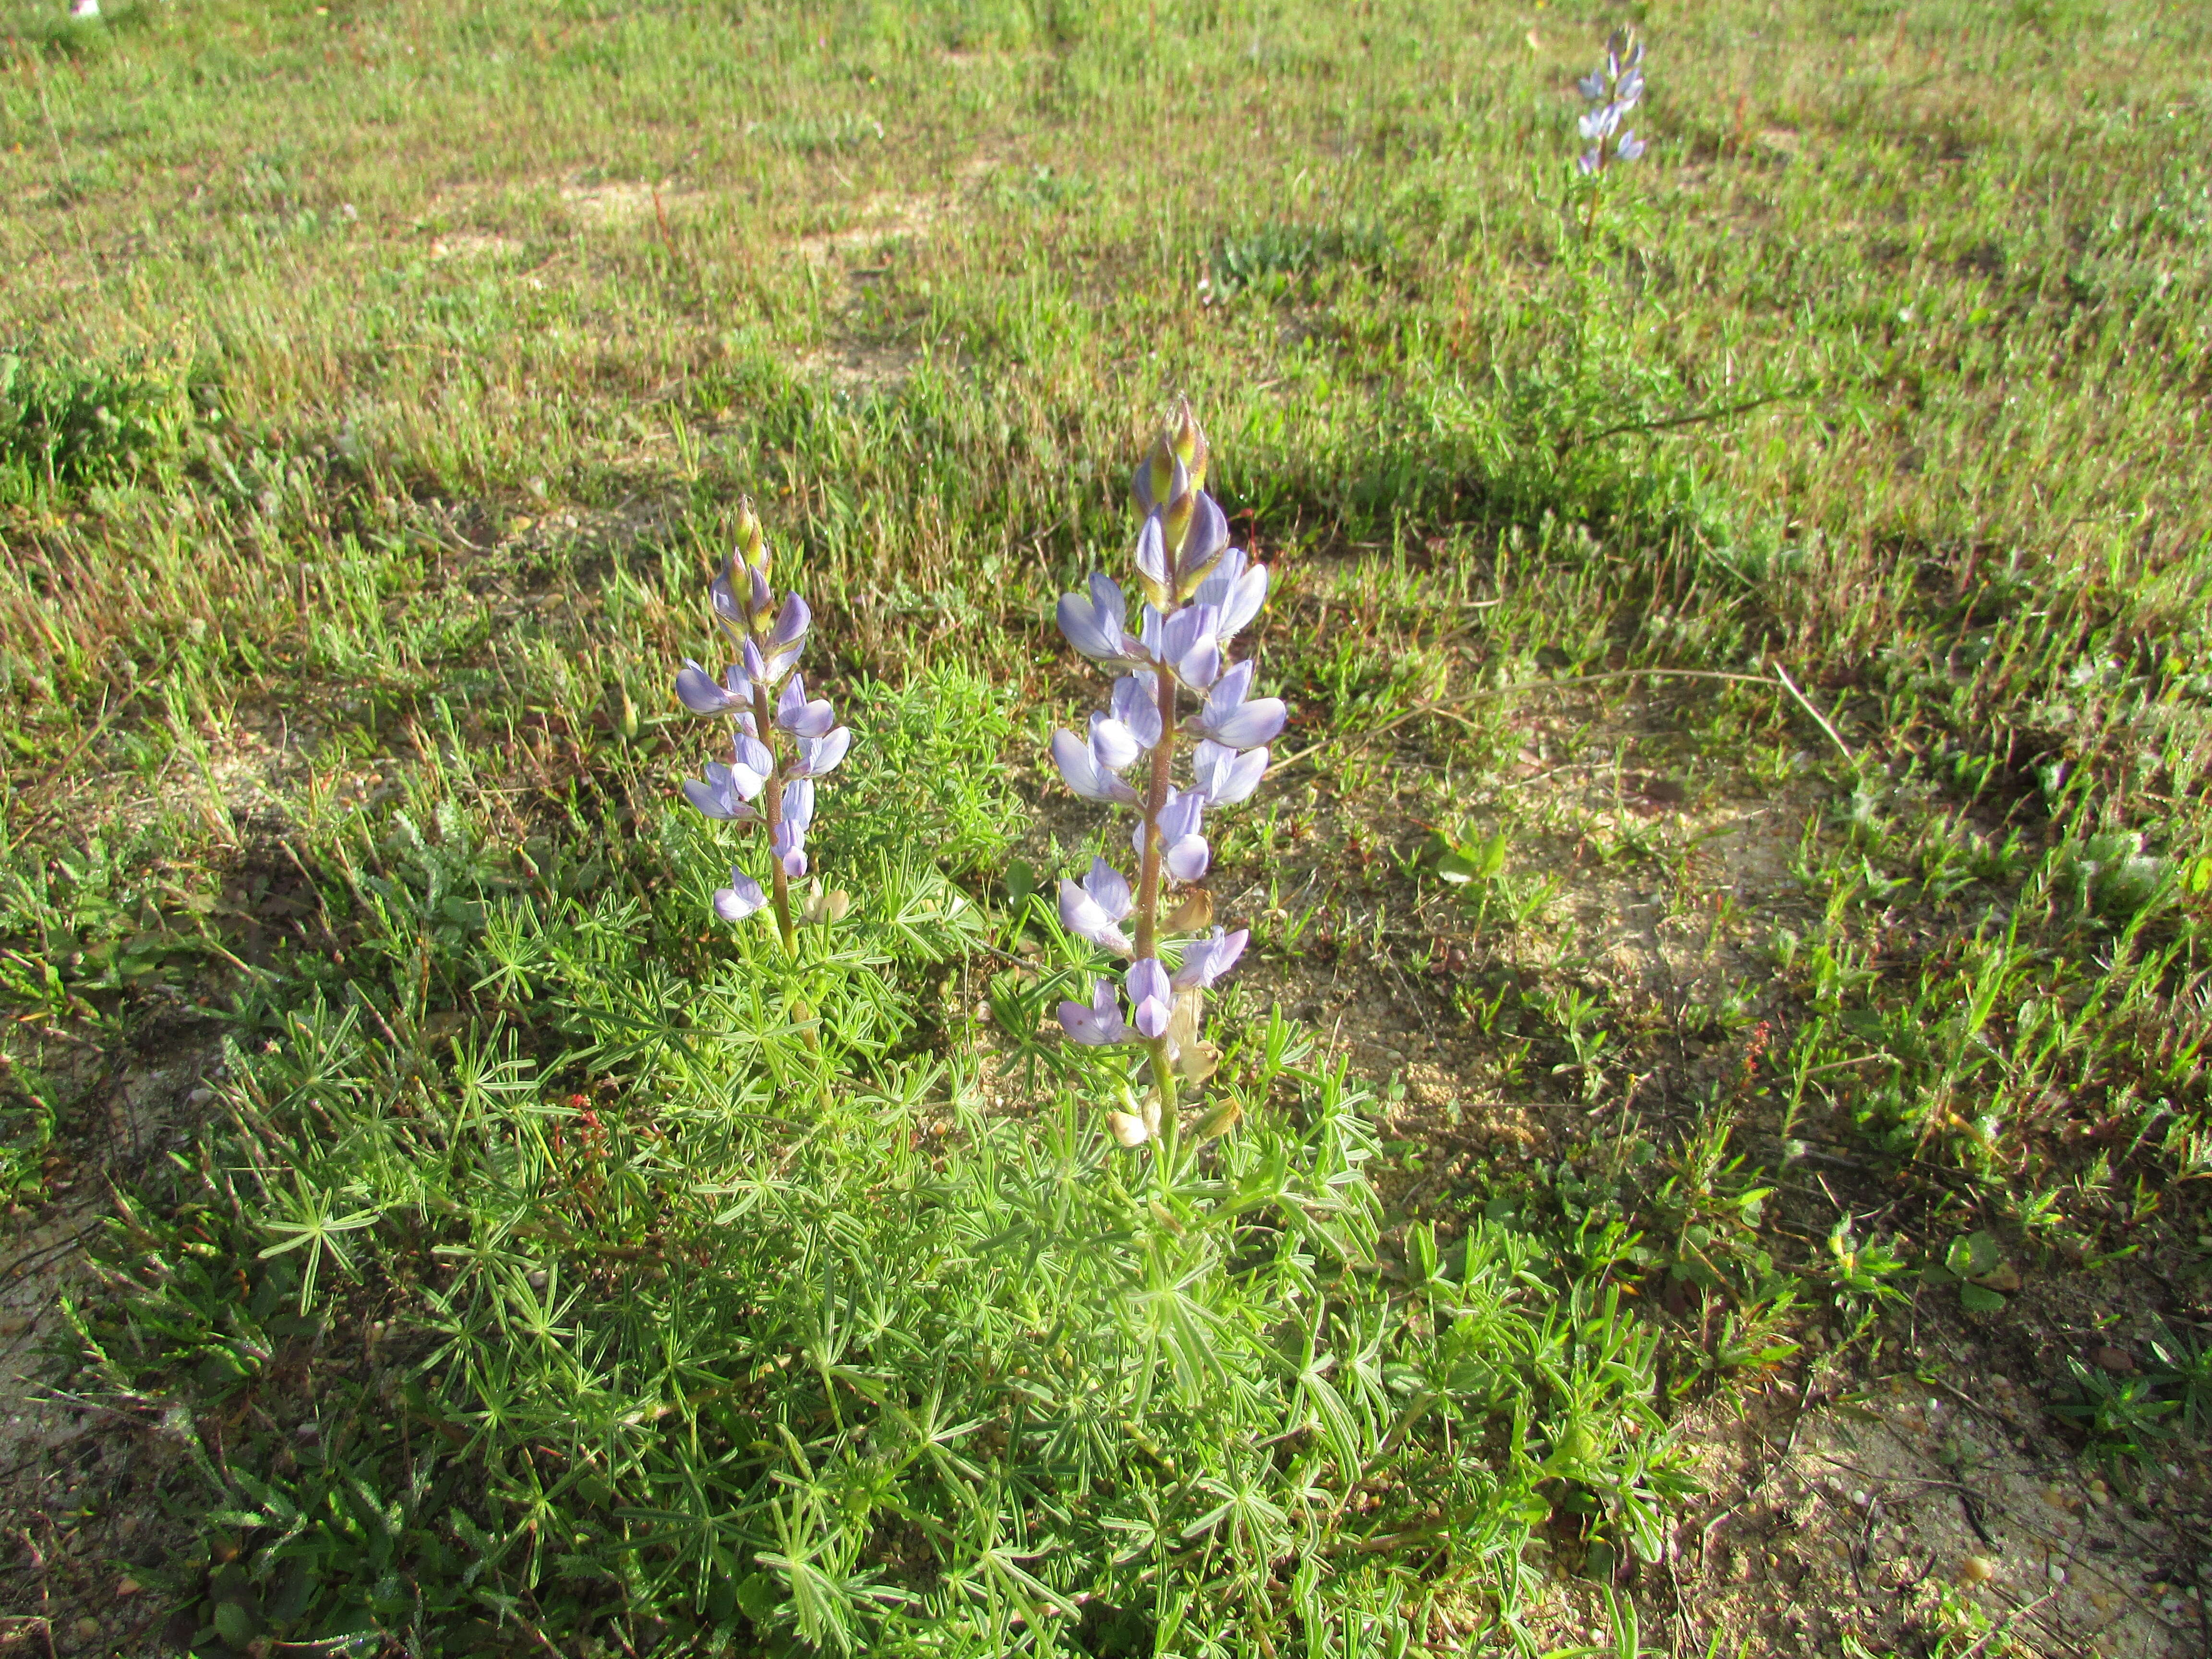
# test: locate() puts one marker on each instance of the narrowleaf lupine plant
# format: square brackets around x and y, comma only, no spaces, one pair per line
[1611,90]
[1198,592]
[781,742]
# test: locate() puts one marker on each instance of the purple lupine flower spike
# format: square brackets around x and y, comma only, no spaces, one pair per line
[779,742]
[1174,677]
[1611,91]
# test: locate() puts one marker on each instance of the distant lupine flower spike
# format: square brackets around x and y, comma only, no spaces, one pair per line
[1611,92]
[780,742]
[1175,677]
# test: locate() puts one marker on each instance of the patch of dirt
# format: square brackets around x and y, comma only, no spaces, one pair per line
[1916,1509]
[879,219]
[474,244]
[615,203]
[860,369]
[75,1498]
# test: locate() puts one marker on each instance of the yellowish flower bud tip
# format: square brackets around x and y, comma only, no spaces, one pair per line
[1130,1132]
[1188,443]
[752,542]
[1161,466]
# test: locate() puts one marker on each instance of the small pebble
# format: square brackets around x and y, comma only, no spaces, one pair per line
[2057,1573]
[1978,1569]
[87,1627]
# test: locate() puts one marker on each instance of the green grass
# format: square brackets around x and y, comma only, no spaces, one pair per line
[378,383]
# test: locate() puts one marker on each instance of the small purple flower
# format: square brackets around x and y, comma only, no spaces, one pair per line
[1085,773]
[1099,1024]
[1113,744]
[1091,910]
[1223,776]
[1098,626]
[1136,704]
[698,692]
[1203,545]
[798,716]
[1235,722]
[1189,642]
[740,898]
[1234,592]
[726,790]
[1151,996]
[717,798]
[1183,851]
[1205,960]
[817,757]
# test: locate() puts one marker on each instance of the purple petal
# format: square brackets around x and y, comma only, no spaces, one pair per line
[749,768]
[1151,557]
[1082,915]
[791,625]
[1188,859]
[1630,148]
[1084,774]
[699,694]
[799,802]
[1223,776]
[796,715]
[1248,725]
[1201,665]
[716,800]
[1182,814]
[1113,745]
[1202,543]
[1242,602]
[1080,623]
[1207,960]
[724,600]
[1150,994]
[1109,890]
[1100,1023]
[739,899]
[1136,704]
[818,757]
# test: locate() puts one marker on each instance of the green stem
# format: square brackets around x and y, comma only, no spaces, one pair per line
[1148,908]
[772,815]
